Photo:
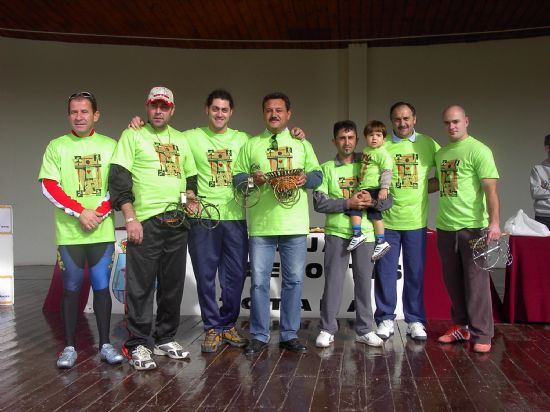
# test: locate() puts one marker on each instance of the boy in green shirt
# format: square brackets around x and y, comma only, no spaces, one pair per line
[375,178]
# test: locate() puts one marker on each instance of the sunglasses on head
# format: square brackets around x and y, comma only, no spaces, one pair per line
[87,95]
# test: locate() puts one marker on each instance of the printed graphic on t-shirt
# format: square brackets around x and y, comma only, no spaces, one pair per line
[366,160]
[88,170]
[407,171]
[280,159]
[169,159]
[220,167]
[348,186]
[449,178]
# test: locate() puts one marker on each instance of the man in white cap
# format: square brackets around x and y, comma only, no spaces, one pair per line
[151,167]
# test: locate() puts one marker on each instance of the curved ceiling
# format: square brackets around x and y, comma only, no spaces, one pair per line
[306,24]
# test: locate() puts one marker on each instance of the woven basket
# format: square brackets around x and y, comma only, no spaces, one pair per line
[284,180]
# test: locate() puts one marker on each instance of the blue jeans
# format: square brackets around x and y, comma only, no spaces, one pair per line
[222,251]
[292,250]
[385,283]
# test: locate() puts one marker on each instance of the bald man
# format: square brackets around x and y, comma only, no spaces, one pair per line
[468,203]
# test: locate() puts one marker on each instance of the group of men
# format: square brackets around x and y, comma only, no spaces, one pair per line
[153,166]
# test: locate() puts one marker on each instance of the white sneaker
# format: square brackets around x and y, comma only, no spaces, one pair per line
[385,329]
[355,242]
[141,359]
[324,339]
[370,339]
[417,331]
[171,349]
[380,249]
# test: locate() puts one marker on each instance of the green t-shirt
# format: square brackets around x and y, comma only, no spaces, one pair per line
[214,156]
[461,166]
[268,217]
[81,167]
[375,160]
[159,163]
[412,162]
[341,181]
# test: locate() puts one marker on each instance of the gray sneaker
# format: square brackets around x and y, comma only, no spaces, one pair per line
[171,349]
[67,358]
[109,354]
[141,359]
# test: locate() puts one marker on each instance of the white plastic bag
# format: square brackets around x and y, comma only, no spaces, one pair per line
[523,225]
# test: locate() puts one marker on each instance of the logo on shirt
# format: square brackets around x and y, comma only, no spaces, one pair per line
[88,171]
[449,178]
[407,171]
[169,159]
[366,160]
[280,159]
[348,186]
[220,167]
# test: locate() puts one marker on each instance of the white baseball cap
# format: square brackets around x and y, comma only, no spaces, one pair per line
[161,93]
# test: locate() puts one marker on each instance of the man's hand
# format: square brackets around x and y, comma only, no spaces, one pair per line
[493,233]
[259,178]
[192,204]
[382,194]
[298,133]
[134,229]
[302,179]
[89,220]
[360,200]
[136,123]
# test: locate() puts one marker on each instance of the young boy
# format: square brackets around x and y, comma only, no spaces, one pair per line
[375,178]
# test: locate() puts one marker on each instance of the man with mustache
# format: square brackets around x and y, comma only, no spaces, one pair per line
[151,168]
[274,225]
[468,203]
[74,175]
[406,224]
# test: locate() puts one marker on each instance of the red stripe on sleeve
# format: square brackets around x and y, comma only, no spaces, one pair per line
[58,197]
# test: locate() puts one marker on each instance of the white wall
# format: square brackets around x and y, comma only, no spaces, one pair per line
[502,84]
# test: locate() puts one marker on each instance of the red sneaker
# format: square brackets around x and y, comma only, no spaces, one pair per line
[455,333]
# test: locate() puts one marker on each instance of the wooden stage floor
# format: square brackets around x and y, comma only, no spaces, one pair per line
[404,375]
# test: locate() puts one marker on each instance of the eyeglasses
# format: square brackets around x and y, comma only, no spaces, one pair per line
[86,95]
[274,144]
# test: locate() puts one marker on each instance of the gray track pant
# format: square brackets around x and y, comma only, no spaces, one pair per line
[336,264]
[468,286]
